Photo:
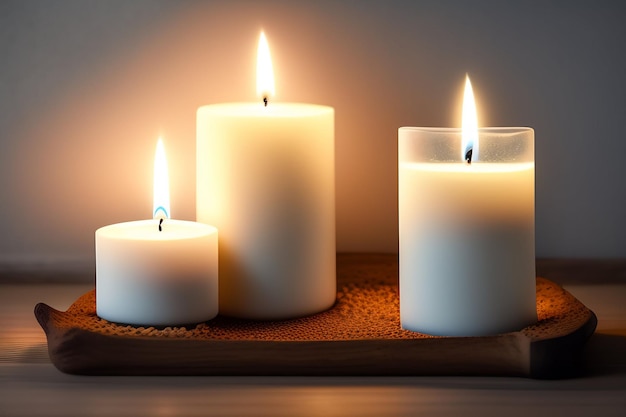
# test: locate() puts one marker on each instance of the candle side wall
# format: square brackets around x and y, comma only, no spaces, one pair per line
[267,182]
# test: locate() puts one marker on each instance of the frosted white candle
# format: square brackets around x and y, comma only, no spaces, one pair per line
[157,272]
[467,233]
[265,178]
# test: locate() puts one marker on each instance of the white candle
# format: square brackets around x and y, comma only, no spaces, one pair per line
[467,238]
[158,272]
[265,178]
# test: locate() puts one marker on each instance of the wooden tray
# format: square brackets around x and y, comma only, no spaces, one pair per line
[360,335]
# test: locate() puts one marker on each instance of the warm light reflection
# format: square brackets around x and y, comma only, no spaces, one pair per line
[264,70]
[161,193]
[469,124]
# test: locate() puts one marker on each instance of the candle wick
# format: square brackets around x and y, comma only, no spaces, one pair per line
[265,101]
[160,223]
[468,156]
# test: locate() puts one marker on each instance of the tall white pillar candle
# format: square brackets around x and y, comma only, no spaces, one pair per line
[265,178]
[158,272]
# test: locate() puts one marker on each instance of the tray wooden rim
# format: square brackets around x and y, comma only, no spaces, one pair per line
[526,353]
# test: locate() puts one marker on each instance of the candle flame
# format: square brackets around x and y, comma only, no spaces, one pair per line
[161,190]
[264,70]
[469,124]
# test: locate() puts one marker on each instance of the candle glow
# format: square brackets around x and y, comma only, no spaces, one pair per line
[264,70]
[469,123]
[161,186]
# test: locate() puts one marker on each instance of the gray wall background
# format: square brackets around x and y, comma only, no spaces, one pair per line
[87,86]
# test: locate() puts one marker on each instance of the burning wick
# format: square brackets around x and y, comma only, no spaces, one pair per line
[468,156]
[265,101]
[160,223]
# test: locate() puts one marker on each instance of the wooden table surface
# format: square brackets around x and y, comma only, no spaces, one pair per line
[31,386]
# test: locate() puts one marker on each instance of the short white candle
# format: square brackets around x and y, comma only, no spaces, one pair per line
[467,237]
[158,272]
[265,178]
